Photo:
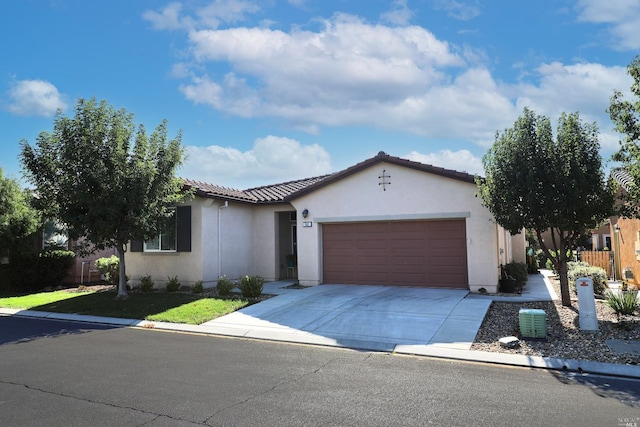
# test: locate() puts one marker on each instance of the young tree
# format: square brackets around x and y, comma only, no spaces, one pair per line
[106,181]
[535,182]
[18,218]
[626,116]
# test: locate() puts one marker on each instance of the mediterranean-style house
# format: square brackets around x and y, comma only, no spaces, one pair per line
[384,221]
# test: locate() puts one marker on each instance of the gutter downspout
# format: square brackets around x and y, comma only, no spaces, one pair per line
[226,205]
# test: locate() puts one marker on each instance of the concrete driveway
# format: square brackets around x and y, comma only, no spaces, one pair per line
[365,317]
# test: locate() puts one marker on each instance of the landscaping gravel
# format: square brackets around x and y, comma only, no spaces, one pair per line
[564,338]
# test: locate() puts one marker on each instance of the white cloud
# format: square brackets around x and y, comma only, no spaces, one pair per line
[585,88]
[398,78]
[623,17]
[168,18]
[461,160]
[213,15]
[34,98]
[271,160]
[400,14]
[463,10]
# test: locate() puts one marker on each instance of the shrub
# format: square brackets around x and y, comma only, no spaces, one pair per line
[32,271]
[251,286]
[517,270]
[146,283]
[54,265]
[597,274]
[198,287]
[224,286]
[549,265]
[623,303]
[109,267]
[173,285]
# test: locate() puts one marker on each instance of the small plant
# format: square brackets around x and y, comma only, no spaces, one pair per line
[146,283]
[517,270]
[623,303]
[581,269]
[198,287]
[225,285]
[251,286]
[109,267]
[173,285]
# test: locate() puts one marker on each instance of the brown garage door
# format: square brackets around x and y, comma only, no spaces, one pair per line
[407,253]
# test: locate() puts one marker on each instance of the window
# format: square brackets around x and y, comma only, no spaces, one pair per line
[166,240]
[54,235]
[174,237]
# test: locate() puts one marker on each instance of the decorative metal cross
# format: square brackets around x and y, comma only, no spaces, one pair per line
[384,179]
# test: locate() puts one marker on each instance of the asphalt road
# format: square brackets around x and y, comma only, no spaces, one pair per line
[63,373]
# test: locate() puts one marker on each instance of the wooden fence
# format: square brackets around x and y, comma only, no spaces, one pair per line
[602,259]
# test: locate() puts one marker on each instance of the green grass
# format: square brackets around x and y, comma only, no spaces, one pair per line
[158,306]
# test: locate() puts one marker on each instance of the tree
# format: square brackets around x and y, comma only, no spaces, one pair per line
[535,182]
[626,116]
[106,181]
[18,218]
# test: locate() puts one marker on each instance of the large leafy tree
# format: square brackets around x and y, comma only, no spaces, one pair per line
[104,178]
[625,114]
[538,182]
[18,217]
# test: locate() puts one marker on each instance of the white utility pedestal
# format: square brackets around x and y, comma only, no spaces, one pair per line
[587,305]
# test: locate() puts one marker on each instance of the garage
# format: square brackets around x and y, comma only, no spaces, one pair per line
[400,253]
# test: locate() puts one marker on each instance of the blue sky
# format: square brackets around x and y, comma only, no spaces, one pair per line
[275,90]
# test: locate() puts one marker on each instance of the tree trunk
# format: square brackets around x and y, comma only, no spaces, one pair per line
[564,280]
[559,261]
[122,280]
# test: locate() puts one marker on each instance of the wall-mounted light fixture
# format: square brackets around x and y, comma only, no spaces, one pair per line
[305,213]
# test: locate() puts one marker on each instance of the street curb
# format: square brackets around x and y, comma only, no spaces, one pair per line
[432,350]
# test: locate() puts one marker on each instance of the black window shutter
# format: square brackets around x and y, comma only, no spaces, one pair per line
[184,228]
[135,246]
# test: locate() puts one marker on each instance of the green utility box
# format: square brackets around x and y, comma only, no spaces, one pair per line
[533,323]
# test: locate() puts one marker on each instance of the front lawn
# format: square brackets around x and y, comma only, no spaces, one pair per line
[192,309]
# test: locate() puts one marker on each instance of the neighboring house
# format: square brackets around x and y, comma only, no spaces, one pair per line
[384,221]
[83,269]
[599,239]
[625,234]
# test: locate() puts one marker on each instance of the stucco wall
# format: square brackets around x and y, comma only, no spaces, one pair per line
[237,239]
[160,265]
[627,240]
[411,195]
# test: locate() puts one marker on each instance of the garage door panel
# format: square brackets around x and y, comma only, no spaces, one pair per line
[410,253]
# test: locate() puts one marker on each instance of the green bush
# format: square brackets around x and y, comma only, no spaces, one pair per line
[224,286]
[198,287]
[32,271]
[251,286]
[581,269]
[54,265]
[109,267]
[547,262]
[173,285]
[623,302]
[517,270]
[146,283]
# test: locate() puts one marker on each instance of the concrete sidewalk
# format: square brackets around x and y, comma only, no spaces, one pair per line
[426,322]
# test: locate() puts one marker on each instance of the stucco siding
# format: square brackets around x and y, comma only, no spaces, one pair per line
[186,265]
[237,239]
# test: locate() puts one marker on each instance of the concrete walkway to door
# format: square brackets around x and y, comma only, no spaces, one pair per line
[356,316]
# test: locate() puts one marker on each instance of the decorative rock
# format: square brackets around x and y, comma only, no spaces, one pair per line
[509,342]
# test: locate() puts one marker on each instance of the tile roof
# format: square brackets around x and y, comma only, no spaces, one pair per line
[264,194]
[283,192]
[622,177]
